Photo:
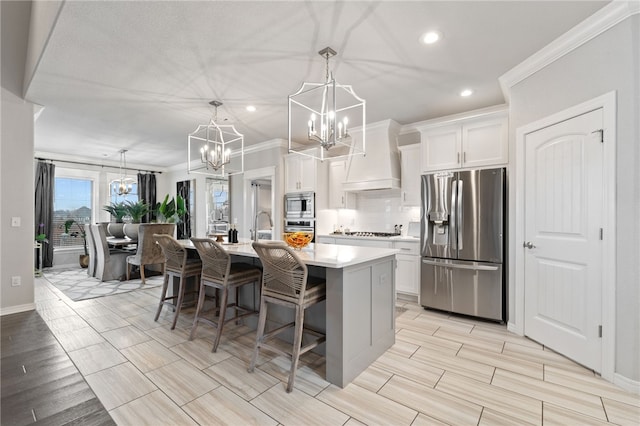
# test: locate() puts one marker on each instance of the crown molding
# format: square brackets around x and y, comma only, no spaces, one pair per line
[605,18]
[494,110]
[266,145]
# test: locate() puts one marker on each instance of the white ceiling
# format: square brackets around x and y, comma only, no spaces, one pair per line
[140,75]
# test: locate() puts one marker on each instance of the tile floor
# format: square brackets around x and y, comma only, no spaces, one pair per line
[442,370]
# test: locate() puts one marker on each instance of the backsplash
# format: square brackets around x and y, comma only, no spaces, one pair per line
[375,211]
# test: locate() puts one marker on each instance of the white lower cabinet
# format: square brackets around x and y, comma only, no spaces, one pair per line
[408,268]
[408,260]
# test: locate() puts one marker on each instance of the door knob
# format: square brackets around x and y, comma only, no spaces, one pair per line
[528,245]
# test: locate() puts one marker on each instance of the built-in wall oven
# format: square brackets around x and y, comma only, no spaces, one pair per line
[306,225]
[299,205]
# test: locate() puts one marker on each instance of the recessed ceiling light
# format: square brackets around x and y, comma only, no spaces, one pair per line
[431,37]
[251,108]
[466,92]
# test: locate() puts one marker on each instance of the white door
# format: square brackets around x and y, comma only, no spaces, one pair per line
[563,216]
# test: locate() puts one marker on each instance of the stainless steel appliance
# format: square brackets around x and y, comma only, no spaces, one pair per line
[299,205]
[462,242]
[306,225]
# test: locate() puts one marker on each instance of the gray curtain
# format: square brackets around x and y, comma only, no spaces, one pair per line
[147,193]
[184,227]
[45,181]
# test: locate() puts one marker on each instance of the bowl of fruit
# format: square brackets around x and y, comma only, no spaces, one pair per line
[298,239]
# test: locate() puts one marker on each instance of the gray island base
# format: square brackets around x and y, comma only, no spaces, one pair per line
[358,315]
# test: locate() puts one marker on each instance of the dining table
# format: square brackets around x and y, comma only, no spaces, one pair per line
[121,242]
[358,315]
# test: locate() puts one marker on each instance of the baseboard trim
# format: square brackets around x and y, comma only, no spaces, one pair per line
[17,309]
[626,383]
[404,297]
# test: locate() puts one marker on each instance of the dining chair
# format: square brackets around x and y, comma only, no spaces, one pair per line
[91,247]
[286,282]
[219,273]
[109,264]
[147,251]
[177,264]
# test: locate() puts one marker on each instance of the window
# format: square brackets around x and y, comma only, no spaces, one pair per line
[73,198]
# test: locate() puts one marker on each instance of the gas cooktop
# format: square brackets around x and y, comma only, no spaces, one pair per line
[367,234]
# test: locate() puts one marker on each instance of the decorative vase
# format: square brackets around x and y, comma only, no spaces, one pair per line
[131,230]
[116,229]
[83,259]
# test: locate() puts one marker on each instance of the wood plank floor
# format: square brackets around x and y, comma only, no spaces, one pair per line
[442,370]
[39,381]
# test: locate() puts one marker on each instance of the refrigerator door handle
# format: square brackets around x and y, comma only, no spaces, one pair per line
[460,218]
[457,266]
[453,219]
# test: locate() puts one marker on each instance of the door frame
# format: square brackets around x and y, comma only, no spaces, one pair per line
[608,104]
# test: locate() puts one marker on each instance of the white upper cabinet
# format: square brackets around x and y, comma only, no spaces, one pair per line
[465,143]
[338,198]
[410,174]
[300,173]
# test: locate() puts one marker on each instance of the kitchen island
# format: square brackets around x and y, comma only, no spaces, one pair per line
[358,315]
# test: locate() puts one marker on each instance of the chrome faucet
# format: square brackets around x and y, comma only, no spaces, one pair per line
[254,231]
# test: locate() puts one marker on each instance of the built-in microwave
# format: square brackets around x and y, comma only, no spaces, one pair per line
[299,205]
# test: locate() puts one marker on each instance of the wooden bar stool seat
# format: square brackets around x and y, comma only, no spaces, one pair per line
[218,272]
[286,282]
[177,264]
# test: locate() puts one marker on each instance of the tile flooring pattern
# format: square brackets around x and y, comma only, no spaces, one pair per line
[76,285]
[442,370]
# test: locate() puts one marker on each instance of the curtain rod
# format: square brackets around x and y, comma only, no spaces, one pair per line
[95,165]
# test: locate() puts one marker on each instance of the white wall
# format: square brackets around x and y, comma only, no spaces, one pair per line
[16,157]
[376,211]
[608,62]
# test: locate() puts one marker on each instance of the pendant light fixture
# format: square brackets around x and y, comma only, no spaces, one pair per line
[124,185]
[327,116]
[216,149]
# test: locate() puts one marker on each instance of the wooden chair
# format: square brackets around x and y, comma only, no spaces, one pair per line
[218,272]
[285,282]
[110,264]
[147,251]
[177,264]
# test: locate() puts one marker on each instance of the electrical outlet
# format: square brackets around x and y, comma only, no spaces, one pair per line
[15,281]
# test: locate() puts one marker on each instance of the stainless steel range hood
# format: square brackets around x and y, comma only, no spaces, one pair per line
[379,168]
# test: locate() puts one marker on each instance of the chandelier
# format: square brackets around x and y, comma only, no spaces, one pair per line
[216,149]
[124,185]
[327,116]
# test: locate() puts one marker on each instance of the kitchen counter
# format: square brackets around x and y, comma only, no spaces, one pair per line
[353,237]
[323,255]
[358,315]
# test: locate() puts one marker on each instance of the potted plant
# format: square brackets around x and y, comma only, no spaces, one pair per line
[118,212]
[135,210]
[171,211]
[83,259]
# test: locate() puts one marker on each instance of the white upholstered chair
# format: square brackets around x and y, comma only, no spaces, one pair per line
[110,265]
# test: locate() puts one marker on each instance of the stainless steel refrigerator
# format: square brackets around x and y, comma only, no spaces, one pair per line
[462,242]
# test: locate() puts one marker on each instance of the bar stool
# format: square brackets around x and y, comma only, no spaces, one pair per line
[176,265]
[285,282]
[218,272]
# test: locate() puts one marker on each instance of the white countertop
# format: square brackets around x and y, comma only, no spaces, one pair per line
[353,237]
[325,255]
